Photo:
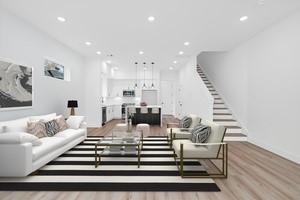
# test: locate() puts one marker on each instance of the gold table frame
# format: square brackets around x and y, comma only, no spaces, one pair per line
[138,144]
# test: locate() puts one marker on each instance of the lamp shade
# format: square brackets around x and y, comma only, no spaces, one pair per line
[72,104]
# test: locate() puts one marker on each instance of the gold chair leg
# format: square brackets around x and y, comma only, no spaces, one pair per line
[181,160]
[221,174]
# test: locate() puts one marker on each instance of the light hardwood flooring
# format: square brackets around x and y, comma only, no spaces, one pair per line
[254,173]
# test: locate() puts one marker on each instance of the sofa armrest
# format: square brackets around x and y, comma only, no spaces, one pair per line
[83,125]
[172,124]
[16,160]
[206,144]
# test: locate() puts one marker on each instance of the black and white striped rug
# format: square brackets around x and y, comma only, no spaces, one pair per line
[75,171]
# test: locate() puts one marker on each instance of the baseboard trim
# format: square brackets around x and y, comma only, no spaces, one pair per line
[279,152]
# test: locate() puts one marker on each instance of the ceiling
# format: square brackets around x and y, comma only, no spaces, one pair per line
[121,28]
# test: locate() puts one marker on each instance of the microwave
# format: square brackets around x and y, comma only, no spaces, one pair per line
[128,93]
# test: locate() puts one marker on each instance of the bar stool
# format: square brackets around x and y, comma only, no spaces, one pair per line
[155,110]
[144,128]
[132,112]
[144,110]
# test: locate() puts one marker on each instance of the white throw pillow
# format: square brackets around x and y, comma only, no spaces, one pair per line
[19,138]
[18,125]
[48,117]
[74,122]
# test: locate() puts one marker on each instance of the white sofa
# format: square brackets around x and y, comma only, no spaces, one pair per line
[21,159]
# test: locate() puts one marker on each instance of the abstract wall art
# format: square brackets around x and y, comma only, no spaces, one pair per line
[15,86]
[54,69]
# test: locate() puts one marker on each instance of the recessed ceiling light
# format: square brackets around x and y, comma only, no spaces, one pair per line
[88,43]
[244,18]
[61,19]
[109,61]
[180,52]
[175,61]
[171,68]
[261,2]
[141,52]
[151,19]
[186,43]
[98,52]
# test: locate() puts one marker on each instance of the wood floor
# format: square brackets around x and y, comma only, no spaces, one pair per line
[254,173]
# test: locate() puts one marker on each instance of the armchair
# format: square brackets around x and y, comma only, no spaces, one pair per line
[177,133]
[185,149]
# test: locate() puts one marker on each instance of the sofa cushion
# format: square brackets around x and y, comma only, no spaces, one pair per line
[178,133]
[185,122]
[36,128]
[19,138]
[51,128]
[70,134]
[47,117]
[18,125]
[49,144]
[200,133]
[61,123]
[190,150]
[74,122]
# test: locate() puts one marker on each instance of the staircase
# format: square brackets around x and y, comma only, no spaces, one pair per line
[222,114]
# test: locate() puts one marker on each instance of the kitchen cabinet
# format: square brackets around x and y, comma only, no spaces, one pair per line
[117,110]
[112,112]
[109,112]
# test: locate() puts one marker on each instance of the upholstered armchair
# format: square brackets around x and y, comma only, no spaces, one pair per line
[175,132]
[213,149]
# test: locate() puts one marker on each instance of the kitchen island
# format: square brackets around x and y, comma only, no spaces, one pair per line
[145,114]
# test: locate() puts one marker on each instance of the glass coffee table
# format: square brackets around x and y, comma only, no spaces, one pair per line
[119,143]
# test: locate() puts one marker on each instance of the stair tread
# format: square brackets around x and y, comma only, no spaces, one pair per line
[224,120]
[235,135]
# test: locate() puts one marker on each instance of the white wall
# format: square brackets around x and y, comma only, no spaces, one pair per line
[193,94]
[93,90]
[23,44]
[168,91]
[266,95]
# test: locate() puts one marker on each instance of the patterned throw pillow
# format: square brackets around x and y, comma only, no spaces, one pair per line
[62,124]
[37,128]
[200,133]
[51,128]
[185,122]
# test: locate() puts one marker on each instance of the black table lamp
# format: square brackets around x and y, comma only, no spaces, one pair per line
[72,104]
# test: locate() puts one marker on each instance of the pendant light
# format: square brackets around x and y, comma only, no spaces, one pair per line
[136,71]
[144,85]
[152,85]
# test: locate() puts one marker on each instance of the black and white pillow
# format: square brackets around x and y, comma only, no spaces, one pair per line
[185,122]
[200,133]
[52,128]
